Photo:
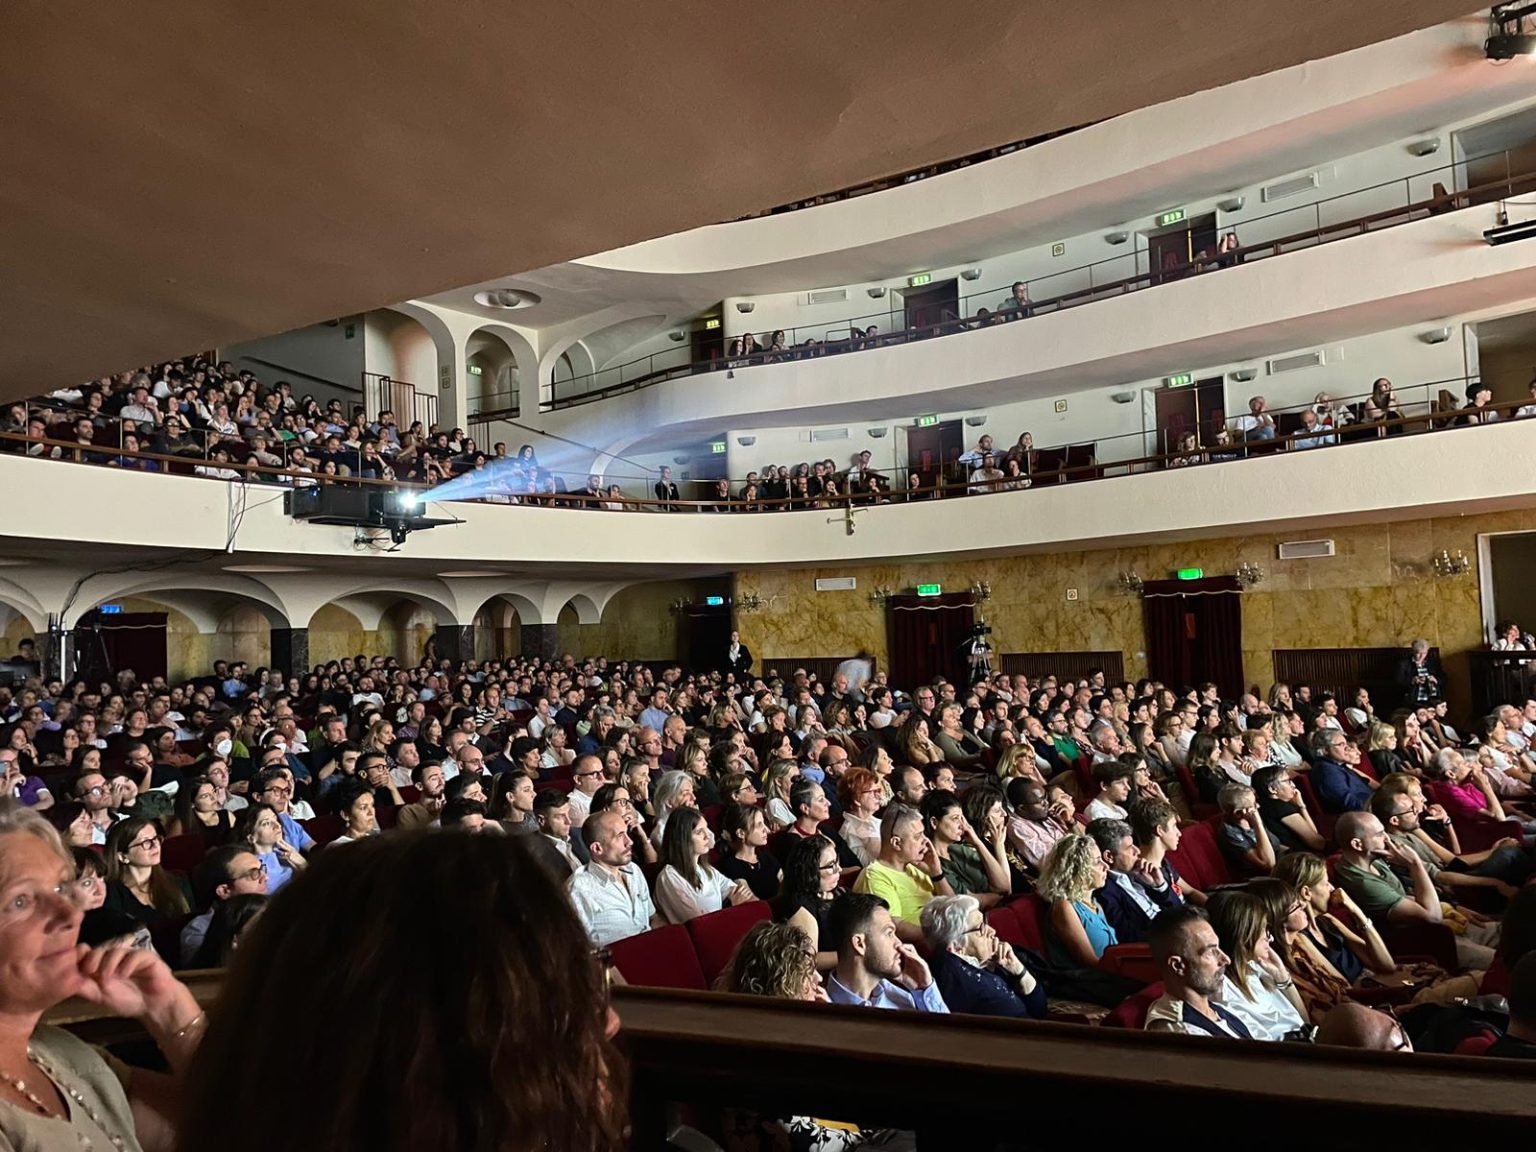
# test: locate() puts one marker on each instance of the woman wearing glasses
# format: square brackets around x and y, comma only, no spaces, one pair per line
[136,884]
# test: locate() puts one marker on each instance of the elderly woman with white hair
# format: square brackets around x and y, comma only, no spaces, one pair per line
[673,790]
[974,970]
[56,1093]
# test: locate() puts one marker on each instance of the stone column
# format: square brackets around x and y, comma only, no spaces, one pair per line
[541,640]
[456,642]
[290,651]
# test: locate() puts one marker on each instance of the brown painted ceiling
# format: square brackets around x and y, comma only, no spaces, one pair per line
[179,176]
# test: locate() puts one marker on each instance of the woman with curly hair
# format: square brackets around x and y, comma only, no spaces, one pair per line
[332,951]
[913,745]
[1070,874]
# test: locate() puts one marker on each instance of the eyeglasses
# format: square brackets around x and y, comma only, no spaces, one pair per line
[98,790]
[148,842]
[252,873]
[831,866]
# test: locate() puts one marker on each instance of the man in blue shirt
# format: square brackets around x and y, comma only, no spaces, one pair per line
[1337,786]
[874,968]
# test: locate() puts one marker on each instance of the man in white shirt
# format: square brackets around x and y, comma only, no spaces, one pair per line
[1194,971]
[553,844]
[974,457]
[610,895]
[1258,424]
[588,775]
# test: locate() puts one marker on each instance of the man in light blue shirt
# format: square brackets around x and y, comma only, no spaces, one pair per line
[656,715]
[874,968]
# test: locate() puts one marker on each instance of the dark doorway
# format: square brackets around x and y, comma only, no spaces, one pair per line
[933,451]
[707,633]
[107,645]
[1170,250]
[932,306]
[1200,409]
[708,343]
[927,635]
[1195,633]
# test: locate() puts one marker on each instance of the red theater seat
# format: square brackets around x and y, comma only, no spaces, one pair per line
[716,935]
[661,958]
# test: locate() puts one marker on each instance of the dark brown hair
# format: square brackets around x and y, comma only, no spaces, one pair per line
[434,963]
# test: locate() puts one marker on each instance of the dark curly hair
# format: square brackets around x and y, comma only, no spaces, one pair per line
[434,961]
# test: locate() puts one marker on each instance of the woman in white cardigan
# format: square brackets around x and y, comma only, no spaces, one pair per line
[688,887]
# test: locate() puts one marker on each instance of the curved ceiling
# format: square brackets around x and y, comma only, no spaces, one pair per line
[178,182]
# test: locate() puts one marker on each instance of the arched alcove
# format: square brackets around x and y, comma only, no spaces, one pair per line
[498,630]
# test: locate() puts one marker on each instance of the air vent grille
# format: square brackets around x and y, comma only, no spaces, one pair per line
[1296,362]
[827,296]
[1304,549]
[1292,186]
[829,434]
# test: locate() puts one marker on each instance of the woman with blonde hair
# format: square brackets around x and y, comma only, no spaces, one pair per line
[776,785]
[1072,871]
[913,745]
[1382,750]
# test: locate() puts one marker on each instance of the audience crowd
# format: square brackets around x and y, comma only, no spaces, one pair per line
[1367,860]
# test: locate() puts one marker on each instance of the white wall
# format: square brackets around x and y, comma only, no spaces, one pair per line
[400,348]
[321,360]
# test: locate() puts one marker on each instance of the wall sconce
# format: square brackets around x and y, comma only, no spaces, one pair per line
[1425,147]
[746,441]
[1119,237]
[1244,375]
[1249,574]
[1130,583]
[751,602]
[745,305]
[1452,564]
[975,421]
[679,606]
[970,274]
[876,293]
[1232,204]
[677,337]
[876,433]
[880,595]
[1436,335]
[981,591]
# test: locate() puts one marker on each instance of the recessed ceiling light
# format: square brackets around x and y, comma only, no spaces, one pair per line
[507,298]
[467,572]
[264,568]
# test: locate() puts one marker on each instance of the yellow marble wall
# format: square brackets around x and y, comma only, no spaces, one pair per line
[1376,591]
[637,623]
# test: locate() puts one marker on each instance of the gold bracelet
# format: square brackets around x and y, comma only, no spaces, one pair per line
[200,1018]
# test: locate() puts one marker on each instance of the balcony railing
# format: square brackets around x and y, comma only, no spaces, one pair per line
[1355,213]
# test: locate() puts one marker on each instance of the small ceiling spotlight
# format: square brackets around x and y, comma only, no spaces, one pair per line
[507,298]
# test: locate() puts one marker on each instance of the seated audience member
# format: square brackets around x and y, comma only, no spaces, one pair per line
[974,970]
[332,951]
[1116,780]
[1285,817]
[610,895]
[875,968]
[354,804]
[1462,786]
[861,796]
[1241,835]
[1367,856]
[1134,892]
[1337,783]
[776,960]
[1038,821]
[673,790]
[198,813]
[1193,969]
[224,873]
[973,866]
[1259,991]
[1070,878]
[587,777]
[907,874]
[1519,1039]
[1353,1025]
[1336,928]
[1502,868]
[808,893]
[1155,828]
[745,856]
[553,845]
[1313,433]
[274,786]
[465,814]
[808,801]
[424,812]
[260,828]
[136,883]
[688,887]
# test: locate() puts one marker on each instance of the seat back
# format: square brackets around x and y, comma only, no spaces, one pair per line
[1132,1011]
[182,853]
[1199,859]
[716,935]
[1005,922]
[661,958]
[1033,915]
[324,829]
[1476,1045]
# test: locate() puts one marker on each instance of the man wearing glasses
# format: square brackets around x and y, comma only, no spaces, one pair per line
[272,787]
[1338,785]
[92,791]
[587,773]
[225,872]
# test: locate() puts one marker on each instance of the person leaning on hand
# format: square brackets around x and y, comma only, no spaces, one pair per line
[61,1094]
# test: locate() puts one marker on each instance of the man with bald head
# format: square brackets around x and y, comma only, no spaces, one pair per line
[587,777]
[1351,1025]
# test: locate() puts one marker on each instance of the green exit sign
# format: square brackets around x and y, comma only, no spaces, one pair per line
[718,447]
[712,323]
[1170,217]
[927,421]
[1182,380]
[929,589]
[474,370]
[1190,573]
[919,280]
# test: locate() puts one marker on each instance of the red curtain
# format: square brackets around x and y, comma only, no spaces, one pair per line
[106,645]
[926,634]
[1195,632]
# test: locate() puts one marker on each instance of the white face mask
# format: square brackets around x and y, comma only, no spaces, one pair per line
[224,746]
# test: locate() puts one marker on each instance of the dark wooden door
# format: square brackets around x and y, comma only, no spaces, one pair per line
[932,451]
[933,305]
